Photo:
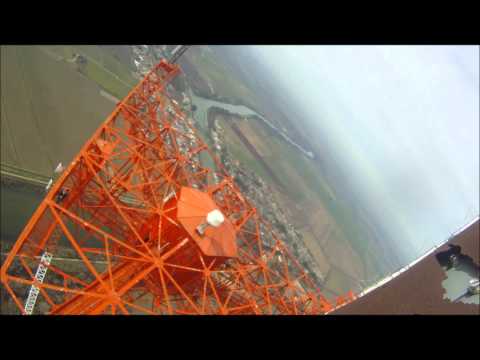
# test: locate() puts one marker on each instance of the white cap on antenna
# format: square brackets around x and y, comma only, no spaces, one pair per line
[215,218]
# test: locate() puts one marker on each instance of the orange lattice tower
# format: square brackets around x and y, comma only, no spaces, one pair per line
[138,223]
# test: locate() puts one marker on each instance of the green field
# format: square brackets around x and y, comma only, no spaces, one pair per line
[48,109]
[109,73]
[285,161]
[240,153]
[224,83]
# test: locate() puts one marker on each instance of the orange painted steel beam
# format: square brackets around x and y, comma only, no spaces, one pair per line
[152,229]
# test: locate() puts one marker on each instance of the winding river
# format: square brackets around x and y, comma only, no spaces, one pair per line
[204,104]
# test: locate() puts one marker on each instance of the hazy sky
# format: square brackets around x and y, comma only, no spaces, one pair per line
[404,120]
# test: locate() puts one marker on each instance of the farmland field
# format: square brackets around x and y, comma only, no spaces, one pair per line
[213,74]
[101,67]
[48,111]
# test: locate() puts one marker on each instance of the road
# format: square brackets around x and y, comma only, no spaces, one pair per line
[17,173]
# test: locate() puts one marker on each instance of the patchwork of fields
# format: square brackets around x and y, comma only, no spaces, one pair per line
[307,195]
